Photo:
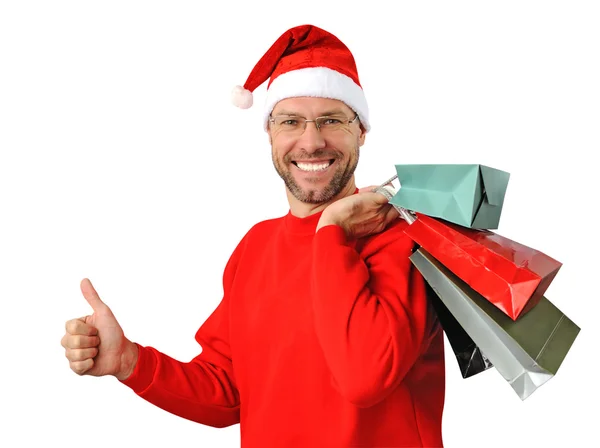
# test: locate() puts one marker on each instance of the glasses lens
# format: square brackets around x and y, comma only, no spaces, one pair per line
[332,123]
[289,124]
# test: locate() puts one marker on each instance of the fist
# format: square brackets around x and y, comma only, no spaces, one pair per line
[81,343]
[362,214]
[95,344]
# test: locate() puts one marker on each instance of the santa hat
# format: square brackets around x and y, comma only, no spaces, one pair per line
[305,61]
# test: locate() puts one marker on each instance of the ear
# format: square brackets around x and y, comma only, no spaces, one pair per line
[362,136]
[269,134]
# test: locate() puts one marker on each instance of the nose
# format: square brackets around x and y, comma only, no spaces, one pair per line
[311,139]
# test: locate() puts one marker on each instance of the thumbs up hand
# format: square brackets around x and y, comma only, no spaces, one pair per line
[95,344]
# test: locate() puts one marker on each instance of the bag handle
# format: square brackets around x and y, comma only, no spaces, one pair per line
[406,214]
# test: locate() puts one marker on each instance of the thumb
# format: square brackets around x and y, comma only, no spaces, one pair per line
[92,296]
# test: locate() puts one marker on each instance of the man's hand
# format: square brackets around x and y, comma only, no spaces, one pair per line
[95,345]
[361,214]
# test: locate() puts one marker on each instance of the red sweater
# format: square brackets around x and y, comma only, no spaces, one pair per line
[317,342]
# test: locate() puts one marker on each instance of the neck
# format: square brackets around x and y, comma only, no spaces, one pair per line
[303,209]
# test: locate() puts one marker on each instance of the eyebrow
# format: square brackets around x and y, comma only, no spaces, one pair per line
[286,112]
[323,114]
[333,112]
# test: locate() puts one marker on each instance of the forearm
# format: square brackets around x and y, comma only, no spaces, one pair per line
[196,390]
[370,319]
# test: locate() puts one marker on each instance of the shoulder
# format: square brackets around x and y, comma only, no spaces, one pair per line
[253,239]
[393,232]
[259,231]
[392,239]
[265,227]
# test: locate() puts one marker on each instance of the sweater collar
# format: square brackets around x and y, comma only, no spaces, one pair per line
[303,226]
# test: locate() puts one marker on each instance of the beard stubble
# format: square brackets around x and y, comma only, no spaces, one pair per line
[340,178]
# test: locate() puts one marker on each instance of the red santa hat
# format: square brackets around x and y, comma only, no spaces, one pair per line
[305,61]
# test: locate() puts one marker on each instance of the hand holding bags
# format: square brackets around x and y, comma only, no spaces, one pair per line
[488,288]
[454,206]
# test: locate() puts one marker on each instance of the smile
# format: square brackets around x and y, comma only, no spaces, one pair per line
[314,166]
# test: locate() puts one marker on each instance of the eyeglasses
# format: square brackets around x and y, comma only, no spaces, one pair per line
[294,125]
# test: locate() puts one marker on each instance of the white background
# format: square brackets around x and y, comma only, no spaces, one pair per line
[122,160]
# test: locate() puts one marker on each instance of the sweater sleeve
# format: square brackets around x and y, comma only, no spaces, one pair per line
[370,310]
[202,390]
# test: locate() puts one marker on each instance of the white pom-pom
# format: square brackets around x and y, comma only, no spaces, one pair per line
[241,97]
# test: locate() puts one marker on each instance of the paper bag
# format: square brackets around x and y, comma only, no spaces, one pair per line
[527,352]
[468,195]
[471,360]
[510,275]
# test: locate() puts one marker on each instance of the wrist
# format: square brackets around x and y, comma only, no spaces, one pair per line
[129,360]
[327,219]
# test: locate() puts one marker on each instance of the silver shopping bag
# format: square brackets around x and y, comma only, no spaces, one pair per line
[526,352]
[469,356]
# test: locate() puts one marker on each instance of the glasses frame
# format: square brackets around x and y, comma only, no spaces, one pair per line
[315,121]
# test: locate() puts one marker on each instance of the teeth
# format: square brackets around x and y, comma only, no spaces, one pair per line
[312,166]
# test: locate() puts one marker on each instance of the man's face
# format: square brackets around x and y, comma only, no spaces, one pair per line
[315,165]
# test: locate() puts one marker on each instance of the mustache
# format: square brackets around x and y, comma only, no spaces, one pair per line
[318,154]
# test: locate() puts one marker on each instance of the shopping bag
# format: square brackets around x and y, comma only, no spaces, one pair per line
[469,195]
[527,352]
[471,360]
[510,275]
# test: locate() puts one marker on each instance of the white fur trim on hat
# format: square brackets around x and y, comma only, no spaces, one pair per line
[318,82]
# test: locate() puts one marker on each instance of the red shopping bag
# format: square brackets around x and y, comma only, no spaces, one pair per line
[510,275]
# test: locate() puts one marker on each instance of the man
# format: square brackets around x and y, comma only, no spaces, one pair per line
[324,336]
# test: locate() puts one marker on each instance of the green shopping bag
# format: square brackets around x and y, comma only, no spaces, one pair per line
[467,195]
